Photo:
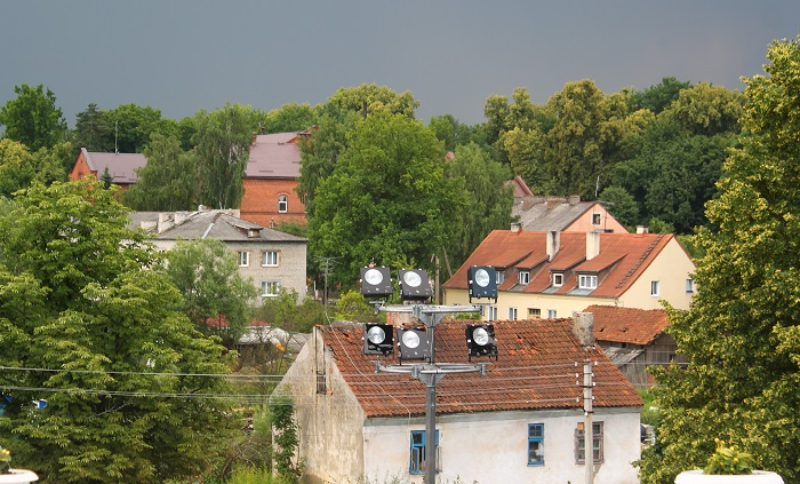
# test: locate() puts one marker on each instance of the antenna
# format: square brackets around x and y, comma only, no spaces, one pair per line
[116,150]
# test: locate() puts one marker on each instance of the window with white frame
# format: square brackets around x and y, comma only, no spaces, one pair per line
[491,313]
[586,281]
[534,313]
[512,313]
[536,444]
[270,258]
[689,286]
[597,443]
[558,279]
[501,277]
[416,463]
[283,204]
[655,288]
[524,277]
[244,259]
[552,313]
[270,288]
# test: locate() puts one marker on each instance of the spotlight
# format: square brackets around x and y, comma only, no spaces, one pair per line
[378,339]
[482,282]
[481,340]
[414,343]
[376,282]
[414,285]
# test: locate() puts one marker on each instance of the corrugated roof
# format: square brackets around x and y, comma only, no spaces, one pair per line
[622,257]
[627,325]
[535,370]
[552,216]
[274,156]
[121,166]
[213,224]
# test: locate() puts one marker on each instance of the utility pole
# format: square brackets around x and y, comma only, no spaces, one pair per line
[588,431]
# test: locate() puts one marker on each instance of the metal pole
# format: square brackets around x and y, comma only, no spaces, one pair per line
[588,434]
[430,431]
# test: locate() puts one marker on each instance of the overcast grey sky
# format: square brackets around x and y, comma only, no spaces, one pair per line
[180,56]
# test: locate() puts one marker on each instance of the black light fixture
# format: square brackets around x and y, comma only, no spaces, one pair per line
[482,282]
[376,282]
[378,339]
[481,340]
[414,343]
[414,285]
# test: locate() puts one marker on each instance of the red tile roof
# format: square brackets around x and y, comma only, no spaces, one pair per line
[624,257]
[535,370]
[274,156]
[627,325]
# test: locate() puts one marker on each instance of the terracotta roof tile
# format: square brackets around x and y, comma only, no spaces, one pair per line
[535,370]
[627,325]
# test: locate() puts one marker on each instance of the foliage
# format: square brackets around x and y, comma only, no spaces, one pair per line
[452,132]
[19,168]
[5,460]
[352,306]
[657,98]
[377,99]
[207,275]
[223,140]
[76,296]
[740,333]
[33,118]
[284,312]
[290,117]
[125,129]
[169,180]
[621,205]
[729,461]
[387,198]
[285,440]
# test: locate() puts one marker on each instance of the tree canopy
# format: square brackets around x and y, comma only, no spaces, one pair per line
[741,333]
[33,118]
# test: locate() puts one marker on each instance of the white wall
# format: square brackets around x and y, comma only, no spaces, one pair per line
[671,268]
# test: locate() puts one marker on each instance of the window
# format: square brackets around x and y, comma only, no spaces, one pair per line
[491,313]
[597,443]
[552,313]
[587,282]
[270,288]
[322,383]
[535,444]
[524,277]
[655,288]
[595,219]
[283,204]
[512,313]
[244,259]
[270,258]
[558,279]
[689,286]
[534,313]
[416,463]
[501,277]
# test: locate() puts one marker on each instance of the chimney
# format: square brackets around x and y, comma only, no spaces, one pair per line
[516,226]
[553,244]
[583,327]
[166,221]
[641,229]
[180,217]
[553,201]
[592,245]
[574,199]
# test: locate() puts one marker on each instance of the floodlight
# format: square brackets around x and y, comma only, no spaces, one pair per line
[481,340]
[376,281]
[378,339]
[482,282]
[414,285]
[414,343]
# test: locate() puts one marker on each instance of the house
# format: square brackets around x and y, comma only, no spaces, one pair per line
[520,422]
[270,258]
[562,214]
[553,274]
[271,179]
[121,166]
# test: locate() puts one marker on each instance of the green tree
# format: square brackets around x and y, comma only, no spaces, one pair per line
[88,324]
[223,142]
[207,275]
[285,438]
[621,205]
[741,333]
[454,133]
[290,117]
[169,180]
[386,199]
[284,312]
[378,99]
[707,109]
[33,118]
[657,98]
[92,130]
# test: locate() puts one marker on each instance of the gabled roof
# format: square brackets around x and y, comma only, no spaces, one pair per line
[553,215]
[213,224]
[622,259]
[121,166]
[627,325]
[521,189]
[535,370]
[274,155]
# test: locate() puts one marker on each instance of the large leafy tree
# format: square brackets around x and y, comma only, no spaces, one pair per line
[223,140]
[741,334]
[207,275]
[387,199]
[657,98]
[124,129]
[86,325]
[33,118]
[19,168]
[290,117]
[169,180]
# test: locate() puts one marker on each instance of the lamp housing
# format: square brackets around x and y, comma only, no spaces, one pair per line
[376,282]
[414,285]
[482,282]
[481,340]
[378,339]
[413,343]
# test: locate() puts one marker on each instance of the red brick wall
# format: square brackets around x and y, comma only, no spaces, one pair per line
[81,169]
[260,202]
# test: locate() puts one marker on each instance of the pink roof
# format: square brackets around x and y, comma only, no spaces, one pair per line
[274,156]
[121,166]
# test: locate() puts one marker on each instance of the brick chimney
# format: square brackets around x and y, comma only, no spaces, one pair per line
[592,245]
[574,199]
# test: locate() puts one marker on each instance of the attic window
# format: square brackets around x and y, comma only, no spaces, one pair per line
[501,277]
[252,233]
[595,219]
[587,282]
[558,279]
[524,277]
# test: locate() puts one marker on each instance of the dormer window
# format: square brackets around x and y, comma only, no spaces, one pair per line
[501,277]
[587,282]
[557,279]
[524,277]
[283,204]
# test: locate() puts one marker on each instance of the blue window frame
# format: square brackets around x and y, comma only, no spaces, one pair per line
[536,444]
[416,464]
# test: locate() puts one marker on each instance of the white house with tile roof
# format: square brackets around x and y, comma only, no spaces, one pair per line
[521,422]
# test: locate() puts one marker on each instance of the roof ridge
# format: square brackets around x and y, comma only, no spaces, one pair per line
[641,260]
